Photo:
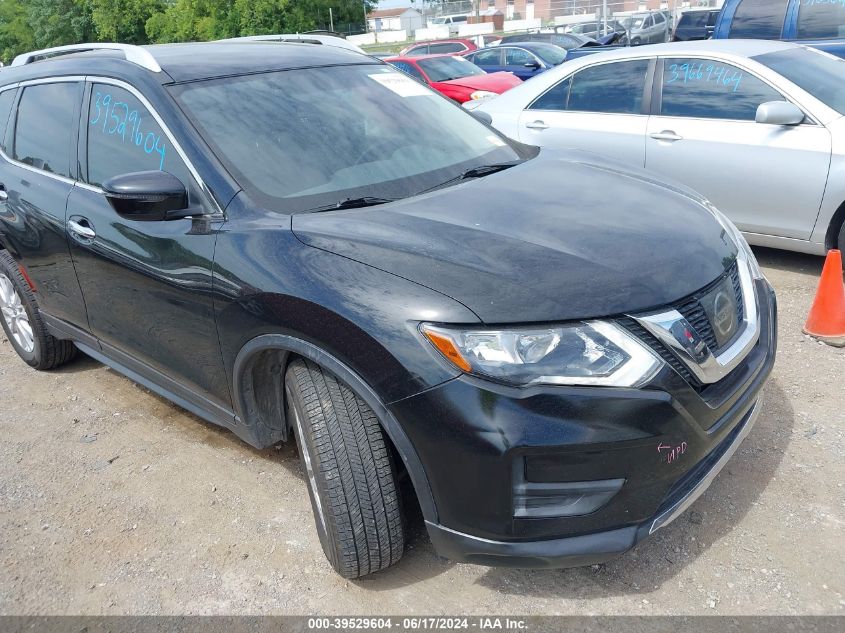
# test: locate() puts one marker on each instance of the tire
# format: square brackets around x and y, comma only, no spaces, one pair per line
[636,41]
[22,321]
[351,477]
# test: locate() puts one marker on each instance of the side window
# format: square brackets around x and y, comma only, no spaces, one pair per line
[487,58]
[712,90]
[409,69]
[759,19]
[45,126]
[555,98]
[7,99]
[123,137]
[419,50]
[817,19]
[615,88]
[659,19]
[452,47]
[517,57]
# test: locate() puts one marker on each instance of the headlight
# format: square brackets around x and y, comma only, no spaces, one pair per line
[738,239]
[590,353]
[482,94]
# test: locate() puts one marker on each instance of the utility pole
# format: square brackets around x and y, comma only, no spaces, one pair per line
[604,16]
[331,20]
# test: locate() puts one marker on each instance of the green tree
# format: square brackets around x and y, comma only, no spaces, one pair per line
[16,34]
[124,20]
[58,22]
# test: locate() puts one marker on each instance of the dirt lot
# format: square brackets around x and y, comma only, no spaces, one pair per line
[113,501]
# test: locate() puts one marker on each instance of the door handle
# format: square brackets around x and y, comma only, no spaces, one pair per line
[537,125]
[667,135]
[81,230]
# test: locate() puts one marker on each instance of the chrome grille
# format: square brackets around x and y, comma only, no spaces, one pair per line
[693,311]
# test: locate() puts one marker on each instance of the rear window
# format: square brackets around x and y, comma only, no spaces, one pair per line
[449,47]
[448,68]
[46,125]
[7,98]
[821,19]
[759,19]
[694,19]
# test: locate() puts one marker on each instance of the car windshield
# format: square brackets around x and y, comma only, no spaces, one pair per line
[299,140]
[551,54]
[633,22]
[820,74]
[448,67]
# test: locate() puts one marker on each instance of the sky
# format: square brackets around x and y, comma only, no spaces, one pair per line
[393,4]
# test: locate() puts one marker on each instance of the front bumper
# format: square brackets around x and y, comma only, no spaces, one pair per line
[587,549]
[483,445]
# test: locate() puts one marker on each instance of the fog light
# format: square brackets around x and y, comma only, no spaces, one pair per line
[569,499]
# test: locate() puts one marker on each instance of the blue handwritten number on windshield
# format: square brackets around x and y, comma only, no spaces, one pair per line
[117,119]
[693,73]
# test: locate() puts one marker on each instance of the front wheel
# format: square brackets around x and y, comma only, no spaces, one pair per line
[351,477]
[22,320]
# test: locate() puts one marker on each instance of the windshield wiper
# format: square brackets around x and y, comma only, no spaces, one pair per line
[474,172]
[354,203]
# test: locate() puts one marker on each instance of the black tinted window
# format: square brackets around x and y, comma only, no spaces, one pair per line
[7,98]
[760,19]
[123,137]
[615,88]
[555,98]
[45,127]
[821,18]
[694,19]
[712,90]
[446,48]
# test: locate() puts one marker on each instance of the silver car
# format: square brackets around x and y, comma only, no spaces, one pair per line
[755,126]
[647,28]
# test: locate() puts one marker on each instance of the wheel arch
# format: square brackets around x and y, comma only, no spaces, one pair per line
[260,403]
[831,238]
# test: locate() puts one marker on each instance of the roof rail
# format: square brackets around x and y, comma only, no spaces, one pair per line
[135,54]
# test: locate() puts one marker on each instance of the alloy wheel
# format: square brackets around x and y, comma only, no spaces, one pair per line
[14,313]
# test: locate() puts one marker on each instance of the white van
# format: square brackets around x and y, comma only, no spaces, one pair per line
[454,22]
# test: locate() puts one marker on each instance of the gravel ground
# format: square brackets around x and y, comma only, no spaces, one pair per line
[114,501]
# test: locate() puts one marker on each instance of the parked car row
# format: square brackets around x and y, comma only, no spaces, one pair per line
[755,126]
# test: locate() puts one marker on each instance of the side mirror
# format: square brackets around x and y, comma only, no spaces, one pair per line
[147,195]
[779,113]
[535,65]
[484,117]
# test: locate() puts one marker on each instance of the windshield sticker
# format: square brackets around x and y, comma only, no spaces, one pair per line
[400,84]
[691,73]
[496,140]
[115,119]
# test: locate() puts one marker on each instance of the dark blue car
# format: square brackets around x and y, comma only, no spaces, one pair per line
[524,59]
[816,23]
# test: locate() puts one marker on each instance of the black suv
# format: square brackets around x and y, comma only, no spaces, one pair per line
[695,25]
[295,241]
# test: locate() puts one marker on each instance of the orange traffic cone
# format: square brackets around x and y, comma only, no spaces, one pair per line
[827,316]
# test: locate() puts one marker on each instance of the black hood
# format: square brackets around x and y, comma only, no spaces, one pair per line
[560,237]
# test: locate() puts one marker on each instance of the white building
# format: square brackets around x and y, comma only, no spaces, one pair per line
[402,19]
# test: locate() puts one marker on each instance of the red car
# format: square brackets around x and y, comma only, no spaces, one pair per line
[457,78]
[439,47]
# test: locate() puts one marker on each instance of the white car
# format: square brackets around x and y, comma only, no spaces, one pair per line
[755,126]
